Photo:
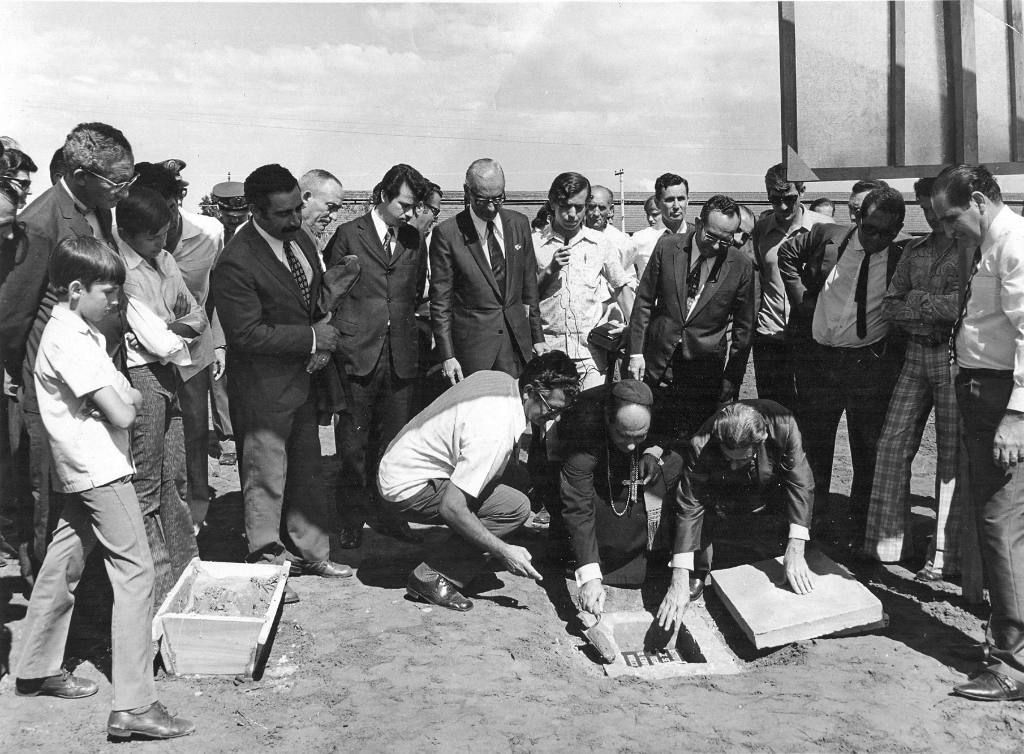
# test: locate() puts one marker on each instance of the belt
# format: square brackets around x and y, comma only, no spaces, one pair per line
[853,350]
[929,341]
[1003,374]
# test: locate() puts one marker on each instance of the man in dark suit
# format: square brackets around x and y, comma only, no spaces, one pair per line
[99,170]
[379,345]
[836,277]
[694,286]
[483,282]
[265,289]
[744,470]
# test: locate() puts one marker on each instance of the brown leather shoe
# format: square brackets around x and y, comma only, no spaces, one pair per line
[439,591]
[325,569]
[991,686]
[153,721]
[65,686]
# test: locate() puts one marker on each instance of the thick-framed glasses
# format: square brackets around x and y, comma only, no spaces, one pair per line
[485,201]
[724,243]
[115,187]
[787,199]
[435,211]
[549,413]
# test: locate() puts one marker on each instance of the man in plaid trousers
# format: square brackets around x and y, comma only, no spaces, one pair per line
[924,300]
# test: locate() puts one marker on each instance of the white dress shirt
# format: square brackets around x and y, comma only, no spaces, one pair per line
[991,335]
[835,314]
[644,242]
[481,232]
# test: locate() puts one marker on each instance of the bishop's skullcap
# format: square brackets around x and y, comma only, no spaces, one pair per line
[633,391]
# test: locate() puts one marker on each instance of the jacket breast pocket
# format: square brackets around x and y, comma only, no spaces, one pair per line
[345,327]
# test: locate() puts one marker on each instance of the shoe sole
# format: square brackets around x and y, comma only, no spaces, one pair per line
[127,735]
[56,696]
[413,593]
[974,698]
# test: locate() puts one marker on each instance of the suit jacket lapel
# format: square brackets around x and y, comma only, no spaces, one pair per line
[510,255]
[372,241]
[76,220]
[476,248]
[265,255]
[710,288]
[312,259]
[681,258]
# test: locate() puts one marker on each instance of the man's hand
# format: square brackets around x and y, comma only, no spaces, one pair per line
[795,569]
[182,305]
[727,393]
[592,597]
[1008,448]
[517,561]
[650,468]
[671,609]
[452,370]
[318,361]
[132,341]
[637,366]
[220,356]
[327,338]
[560,259]
[539,348]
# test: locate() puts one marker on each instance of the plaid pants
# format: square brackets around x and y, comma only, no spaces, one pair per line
[924,382]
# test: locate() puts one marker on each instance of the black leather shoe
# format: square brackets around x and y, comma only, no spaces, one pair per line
[153,721]
[290,596]
[325,568]
[440,591]
[928,575]
[227,459]
[991,686]
[65,685]
[696,586]
[972,652]
[350,538]
[399,530]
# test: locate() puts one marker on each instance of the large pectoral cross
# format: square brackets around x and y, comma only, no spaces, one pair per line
[633,485]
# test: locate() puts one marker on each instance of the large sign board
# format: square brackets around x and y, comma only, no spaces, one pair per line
[877,89]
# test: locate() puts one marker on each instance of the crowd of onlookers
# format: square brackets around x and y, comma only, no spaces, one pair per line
[125,320]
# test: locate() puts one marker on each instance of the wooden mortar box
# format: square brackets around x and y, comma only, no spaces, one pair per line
[217,641]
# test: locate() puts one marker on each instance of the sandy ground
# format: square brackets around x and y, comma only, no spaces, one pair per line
[357,667]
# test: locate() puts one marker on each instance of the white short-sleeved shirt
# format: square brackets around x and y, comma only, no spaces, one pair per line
[467,435]
[72,363]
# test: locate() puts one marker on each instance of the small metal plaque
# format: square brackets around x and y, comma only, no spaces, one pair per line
[644,659]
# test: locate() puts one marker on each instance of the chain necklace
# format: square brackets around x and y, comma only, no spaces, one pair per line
[633,483]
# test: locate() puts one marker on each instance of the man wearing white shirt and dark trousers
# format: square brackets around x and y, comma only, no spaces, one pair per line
[446,467]
[836,277]
[988,348]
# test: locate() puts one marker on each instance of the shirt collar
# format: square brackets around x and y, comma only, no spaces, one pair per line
[996,228]
[276,244]
[807,220]
[69,318]
[585,234]
[133,259]
[481,225]
[81,207]
[379,225]
[188,228]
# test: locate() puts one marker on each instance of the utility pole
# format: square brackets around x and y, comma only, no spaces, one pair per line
[622,201]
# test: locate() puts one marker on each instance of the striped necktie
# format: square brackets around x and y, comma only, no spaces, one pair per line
[976,263]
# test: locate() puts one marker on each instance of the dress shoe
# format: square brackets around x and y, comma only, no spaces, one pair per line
[697,586]
[440,591]
[227,459]
[928,575]
[290,596]
[991,686]
[65,685]
[325,568]
[399,530]
[972,652]
[350,538]
[541,518]
[153,721]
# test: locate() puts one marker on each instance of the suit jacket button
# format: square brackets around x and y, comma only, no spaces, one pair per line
[501,332]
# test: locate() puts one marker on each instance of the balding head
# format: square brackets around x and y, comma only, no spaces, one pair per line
[600,208]
[485,172]
[485,181]
[322,195]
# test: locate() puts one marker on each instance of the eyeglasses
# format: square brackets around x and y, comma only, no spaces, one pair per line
[740,238]
[551,413]
[22,185]
[435,211]
[872,232]
[788,199]
[115,187]
[724,243]
[484,201]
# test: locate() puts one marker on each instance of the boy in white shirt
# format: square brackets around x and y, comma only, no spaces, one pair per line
[87,406]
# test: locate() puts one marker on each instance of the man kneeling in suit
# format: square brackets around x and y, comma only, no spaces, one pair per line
[745,464]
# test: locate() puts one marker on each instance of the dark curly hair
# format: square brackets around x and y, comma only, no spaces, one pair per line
[551,371]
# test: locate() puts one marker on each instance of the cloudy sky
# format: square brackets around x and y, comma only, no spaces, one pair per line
[354,88]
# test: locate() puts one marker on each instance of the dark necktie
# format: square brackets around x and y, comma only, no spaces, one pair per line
[975,264]
[297,272]
[388,244]
[861,297]
[497,258]
[693,284]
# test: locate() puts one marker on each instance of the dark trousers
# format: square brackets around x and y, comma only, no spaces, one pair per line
[859,381]
[683,406]
[508,359]
[997,497]
[26,485]
[773,370]
[501,509]
[381,402]
[282,482]
[193,396]
[221,411]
